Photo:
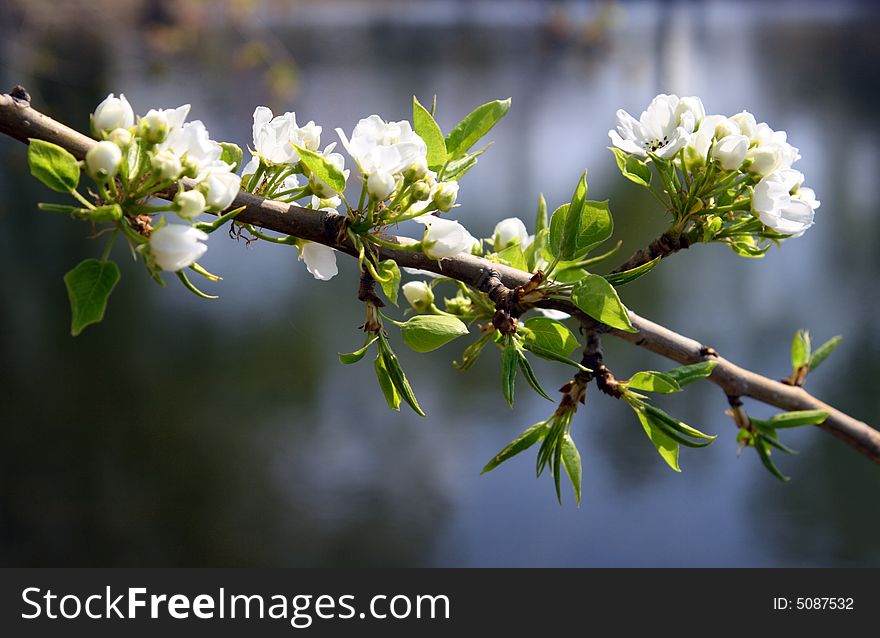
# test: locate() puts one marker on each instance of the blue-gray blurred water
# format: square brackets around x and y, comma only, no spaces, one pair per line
[188,432]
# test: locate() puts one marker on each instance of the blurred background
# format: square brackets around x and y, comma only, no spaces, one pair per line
[187,432]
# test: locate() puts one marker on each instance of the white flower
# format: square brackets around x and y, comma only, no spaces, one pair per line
[272,136]
[113,113]
[318,186]
[193,145]
[102,160]
[770,151]
[219,185]
[166,164]
[380,185]
[289,183]
[154,126]
[730,151]
[251,167]
[189,204]
[782,204]
[746,123]
[320,260]
[664,127]
[510,231]
[444,237]
[418,294]
[308,136]
[445,194]
[377,145]
[326,204]
[176,246]
[713,127]
[416,171]
[120,136]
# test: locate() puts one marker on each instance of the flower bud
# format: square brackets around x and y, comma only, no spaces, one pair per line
[153,127]
[176,246]
[189,204]
[445,194]
[416,171]
[380,185]
[121,137]
[220,189]
[730,151]
[510,231]
[419,295]
[444,237]
[746,123]
[102,160]
[166,165]
[421,191]
[764,159]
[112,113]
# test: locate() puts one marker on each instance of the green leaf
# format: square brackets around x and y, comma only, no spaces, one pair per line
[322,168]
[541,214]
[677,430]
[764,453]
[578,227]
[620,278]
[512,256]
[53,165]
[666,447]
[523,442]
[571,461]
[456,169]
[632,167]
[426,128]
[552,356]
[389,279]
[88,287]
[474,126]
[651,381]
[549,335]
[424,333]
[797,418]
[392,397]
[395,373]
[529,374]
[231,154]
[357,355]
[597,298]
[684,375]
[472,352]
[509,365]
[821,353]
[800,349]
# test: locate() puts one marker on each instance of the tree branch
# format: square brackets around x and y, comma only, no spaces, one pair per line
[20,121]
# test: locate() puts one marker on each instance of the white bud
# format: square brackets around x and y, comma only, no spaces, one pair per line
[112,113]
[418,294]
[220,188]
[102,160]
[176,246]
[510,231]
[417,170]
[189,204]
[730,151]
[764,159]
[445,194]
[421,191]
[153,127]
[380,185]
[746,123]
[121,137]
[444,237]
[167,165]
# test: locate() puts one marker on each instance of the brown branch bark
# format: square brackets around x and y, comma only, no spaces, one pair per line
[20,121]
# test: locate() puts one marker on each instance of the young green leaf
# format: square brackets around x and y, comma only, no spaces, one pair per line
[797,418]
[231,154]
[541,214]
[472,352]
[620,278]
[53,165]
[523,442]
[800,349]
[666,447]
[571,224]
[512,256]
[88,287]
[675,429]
[322,168]
[571,461]
[632,167]
[821,353]
[552,356]
[474,126]
[529,374]
[651,381]
[763,449]
[392,396]
[357,355]
[549,334]
[424,333]
[389,279]
[426,128]
[509,365]
[395,373]
[456,169]
[597,298]
[685,375]
[579,226]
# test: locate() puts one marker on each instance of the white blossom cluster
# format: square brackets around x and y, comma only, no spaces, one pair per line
[678,129]
[161,147]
